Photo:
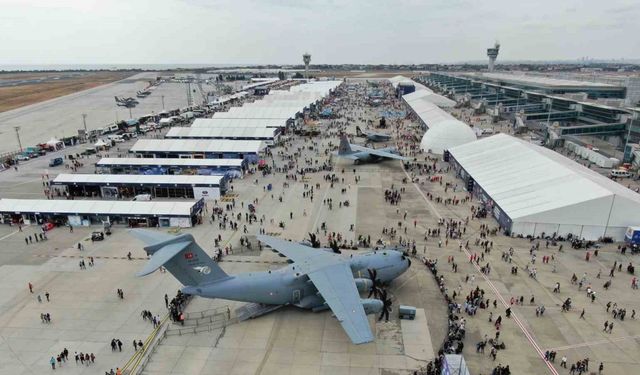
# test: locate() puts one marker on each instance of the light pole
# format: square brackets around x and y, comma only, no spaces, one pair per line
[550,108]
[162,102]
[84,122]
[626,141]
[17,129]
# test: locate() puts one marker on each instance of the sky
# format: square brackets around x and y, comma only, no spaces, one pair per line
[280,31]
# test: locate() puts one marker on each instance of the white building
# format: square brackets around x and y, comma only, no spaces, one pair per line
[532,190]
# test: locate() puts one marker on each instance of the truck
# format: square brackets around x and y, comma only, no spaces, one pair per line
[632,236]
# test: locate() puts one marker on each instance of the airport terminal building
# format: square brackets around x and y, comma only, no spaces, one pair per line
[534,191]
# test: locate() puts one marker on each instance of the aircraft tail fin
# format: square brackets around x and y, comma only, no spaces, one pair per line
[181,256]
[345,147]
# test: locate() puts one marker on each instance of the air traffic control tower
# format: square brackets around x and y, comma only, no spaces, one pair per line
[493,55]
[306,58]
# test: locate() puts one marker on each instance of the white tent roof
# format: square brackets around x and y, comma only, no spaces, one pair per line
[53,142]
[291,103]
[237,123]
[93,207]
[222,132]
[170,162]
[402,79]
[141,179]
[197,145]
[445,135]
[322,87]
[259,113]
[100,143]
[430,113]
[429,96]
[534,184]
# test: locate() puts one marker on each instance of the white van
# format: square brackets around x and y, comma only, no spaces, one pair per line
[619,173]
[110,129]
[142,197]
[116,138]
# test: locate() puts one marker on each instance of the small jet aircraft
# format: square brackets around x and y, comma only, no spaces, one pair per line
[361,154]
[371,136]
[143,93]
[126,102]
[318,279]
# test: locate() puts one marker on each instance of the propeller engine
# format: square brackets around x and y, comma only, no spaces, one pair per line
[386,306]
[363,285]
[375,283]
[372,306]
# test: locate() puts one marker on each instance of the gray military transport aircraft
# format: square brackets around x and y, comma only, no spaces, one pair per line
[361,154]
[318,279]
[372,136]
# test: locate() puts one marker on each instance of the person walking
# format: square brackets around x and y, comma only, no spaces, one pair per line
[52,361]
[30,287]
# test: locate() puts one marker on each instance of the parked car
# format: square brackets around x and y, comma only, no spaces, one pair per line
[56,161]
[22,157]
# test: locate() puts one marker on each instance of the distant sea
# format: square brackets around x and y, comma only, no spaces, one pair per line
[34,67]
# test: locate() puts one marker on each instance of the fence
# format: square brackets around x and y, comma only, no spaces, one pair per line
[140,359]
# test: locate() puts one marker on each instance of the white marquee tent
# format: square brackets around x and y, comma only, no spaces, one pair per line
[445,135]
[534,190]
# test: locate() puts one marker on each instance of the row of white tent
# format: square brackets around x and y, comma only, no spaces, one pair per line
[281,104]
[443,130]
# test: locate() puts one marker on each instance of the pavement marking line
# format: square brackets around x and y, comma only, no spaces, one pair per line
[593,343]
[21,183]
[9,235]
[528,335]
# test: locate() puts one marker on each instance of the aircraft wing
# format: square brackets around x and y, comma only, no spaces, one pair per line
[306,258]
[384,154]
[335,284]
[333,279]
[347,156]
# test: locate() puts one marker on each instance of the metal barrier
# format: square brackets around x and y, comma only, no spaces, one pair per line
[209,312]
[217,324]
[139,360]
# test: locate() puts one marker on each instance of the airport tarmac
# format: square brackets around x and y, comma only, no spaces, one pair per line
[87,314]
[62,116]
